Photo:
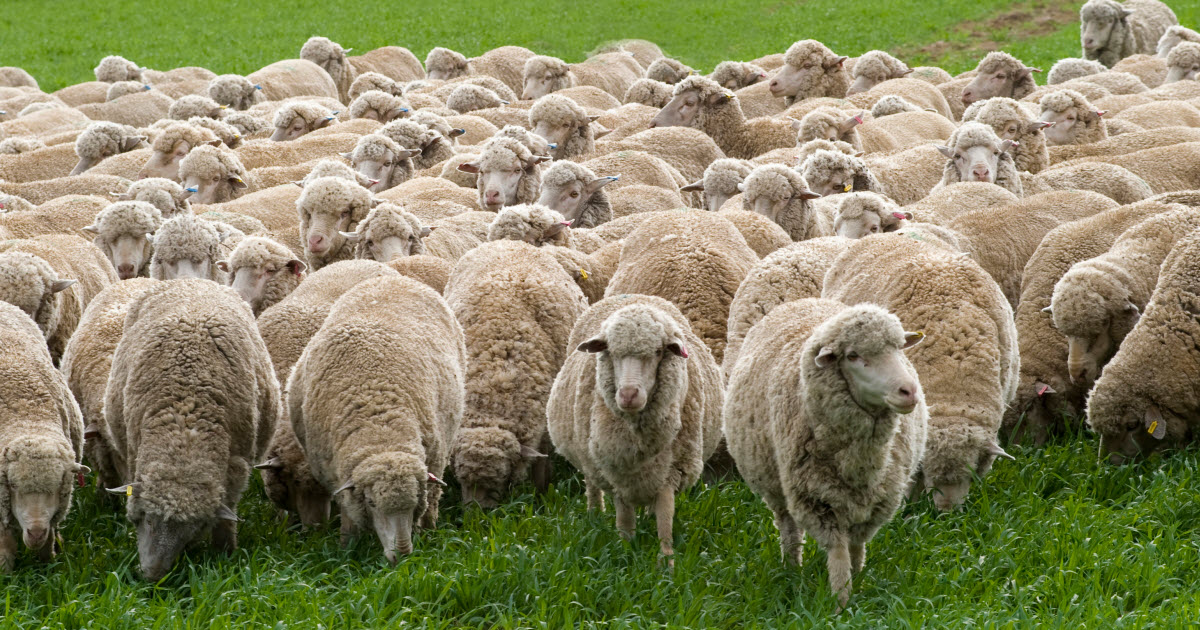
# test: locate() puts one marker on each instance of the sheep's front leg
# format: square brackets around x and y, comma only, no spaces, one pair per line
[791,539]
[349,530]
[47,552]
[595,497]
[543,469]
[8,551]
[224,536]
[624,517]
[838,552]
[858,554]
[664,517]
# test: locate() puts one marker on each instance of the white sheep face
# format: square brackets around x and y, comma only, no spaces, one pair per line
[1094,34]
[866,224]
[215,189]
[537,86]
[1141,434]
[680,111]
[975,164]
[569,200]
[325,230]
[861,83]
[1182,73]
[391,247]
[187,268]
[128,252]
[1085,357]
[294,129]
[880,381]
[165,164]
[1063,125]
[792,80]
[379,171]
[251,282]
[985,86]
[35,514]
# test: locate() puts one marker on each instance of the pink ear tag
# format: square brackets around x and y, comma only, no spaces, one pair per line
[1041,390]
[899,215]
[683,351]
[858,119]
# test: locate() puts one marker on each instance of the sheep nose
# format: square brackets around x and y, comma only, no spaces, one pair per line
[1076,374]
[35,536]
[627,396]
[491,196]
[774,84]
[125,270]
[316,243]
[980,173]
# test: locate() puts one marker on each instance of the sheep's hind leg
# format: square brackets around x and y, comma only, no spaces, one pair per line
[664,516]
[595,497]
[791,539]
[625,516]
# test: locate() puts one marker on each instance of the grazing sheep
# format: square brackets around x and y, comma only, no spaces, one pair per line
[117,68]
[976,153]
[171,146]
[516,306]
[735,75]
[235,92]
[1000,74]
[1183,64]
[1013,122]
[836,458]
[1070,68]
[694,259]
[373,81]
[328,207]
[611,72]
[575,192]
[122,232]
[967,367]
[379,106]
[507,173]
[103,139]
[875,67]
[262,271]
[1115,182]
[564,124]
[781,194]
[1145,400]
[298,118]
[636,408]
[382,162]
[668,71]
[648,92]
[833,172]
[290,78]
[790,273]
[701,103]
[41,442]
[810,70]
[831,124]
[534,224]
[1073,120]
[186,247]
[720,182]
[506,63]
[212,175]
[1111,31]
[195,105]
[191,404]
[396,343]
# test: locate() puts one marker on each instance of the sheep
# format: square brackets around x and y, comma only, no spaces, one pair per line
[1144,400]
[1161,114]
[507,173]
[688,150]
[1150,69]
[1115,182]
[184,453]
[195,105]
[373,81]
[534,224]
[1013,122]
[649,92]
[1000,74]
[976,153]
[262,271]
[235,92]
[696,260]
[565,125]
[17,77]
[892,104]
[644,51]
[577,193]
[735,75]
[388,232]
[875,67]
[1183,64]
[103,139]
[13,203]
[636,408]
[790,273]
[1098,301]
[298,118]
[860,214]
[637,167]
[212,175]
[780,194]
[122,232]
[703,104]
[1071,68]
[379,106]
[164,194]
[506,63]
[467,97]
[382,462]
[611,72]
[435,148]
[397,63]
[229,135]
[443,64]
[970,354]
[382,161]
[1073,120]
[810,70]
[116,68]
[1111,31]
[833,172]
[1166,169]
[720,182]
[516,306]
[762,235]
[21,145]
[836,458]
[668,71]
[41,441]
[329,206]
[171,146]
[247,124]
[832,124]
[1172,37]
[1125,143]
[87,362]
[186,247]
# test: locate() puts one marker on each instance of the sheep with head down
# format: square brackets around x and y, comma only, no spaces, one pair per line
[388,232]
[380,106]
[810,70]
[336,168]
[212,175]
[564,124]
[17,146]
[123,232]
[235,92]
[611,72]
[574,191]
[434,147]
[443,64]
[168,196]
[649,92]
[735,75]
[1111,30]
[296,119]
[171,146]
[508,173]
[186,247]
[1000,74]
[892,104]
[1071,68]
[125,88]
[194,105]
[1074,120]
[1173,36]
[262,271]
[117,68]
[721,181]
[976,154]
[861,214]
[875,67]
[830,123]
[468,97]
[228,134]
[102,140]
[373,81]
[781,194]
[382,161]
[1183,63]
[1012,121]
[834,172]
[328,208]
[247,124]
[668,71]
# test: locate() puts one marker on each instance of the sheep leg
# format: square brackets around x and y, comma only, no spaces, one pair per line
[624,517]
[349,530]
[224,536]
[595,497]
[664,517]
[429,518]
[838,552]
[791,539]
[47,552]
[542,469]
[8,551]
[858,554]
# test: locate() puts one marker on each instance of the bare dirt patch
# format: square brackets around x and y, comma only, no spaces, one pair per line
[1025,21]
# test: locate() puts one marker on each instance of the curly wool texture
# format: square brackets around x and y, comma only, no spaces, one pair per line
[189,450]
[735,75]
[331,57]
[380,148]
[27,282]
[334,168]
[1089,126]
[247,124]
[194,105]
[694,259]
[720,116]
[1134,33]
[124,88]
[876,66]
[507,154]
[13,203]
[774,183]
[892,104]
[516,306]
[534,224]
[1173,36]
[235,92]
[377,105]
[557,69]
[227,133]
[435,148]
[388,220]
[502,90]
[1030,154]
[595,210]
[102,139]
[834,82]
[373,81]
[164,194]
[445,64]
[264,255]
[468,98]
[41,443]
[649,92]
[554,112]
[16,146]
[998,61]
[824,122]
[854,207]
[668,71]
[968,362]
[974,134]
[116,68]
[823,168]
[324,200]
[186,237]
[311,113]
[177,132]
[790,273]
[721,180]
[128,218]
[1182,59]
[812,146]
[1070,68]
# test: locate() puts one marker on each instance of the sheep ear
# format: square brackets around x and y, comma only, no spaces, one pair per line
[454,133]
[126,490]
[554,230]
[1041,389]
[946,151]
[375,201]
[433,479]
[1039,125]
[351,237]
[299,183]
[128,144]
[600,133]
[408,153]
[719,99]
[214,143]
[1047,311]
[995,451]
[537,159]
[598,183]
[836,62]
[595,344]
[592,119]
[678,349]
[223,265]
[297,267]
[851,122]
[271,464]
[808,194]
[61,285]
[469,167]
[237,182]
[1024,72]
[91,432]
[324,122]
[1156,426]
[226,514]
[741,186]
[1126,13]
[91,229]
[795,123]
[349,485]
[913,338]
[395,113]
[1007,146]
[906,72]
[826,357]
[80,469]
[531,453]
[1133,311]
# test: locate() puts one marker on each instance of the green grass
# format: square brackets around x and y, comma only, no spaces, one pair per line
[1053,539]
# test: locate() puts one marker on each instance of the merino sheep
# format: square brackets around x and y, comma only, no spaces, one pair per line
[397,63]
[1172,38]
[379,106]
[1168,168]
[1072,119]
[184,451]
[1183,63]
[41,441]
[648,92]
[186,247]
[103,139]
[1071,68]
[212,175]
[235,92]
[164,194]
[669,71]
[810,70]
[577,193]
[1000,74]
[967,367]
[510,366]
[611,72]
[328,207]
[291,78]
[299,118]
[171,146]
[262,271]
[1111,31]
[20,145]
[507,173]
[115,68]
[388,232]
[122,232]
[860,214]
[781,194]
[721,181]
[564,124]
[875,67]
[380,160]
[833,172]
[735,75]
[892,104]
[703,104]
[976,153]
[1013,122]
[688,150]
[396,342]
[195,105]
[636,408]
[828,426]
[435,147]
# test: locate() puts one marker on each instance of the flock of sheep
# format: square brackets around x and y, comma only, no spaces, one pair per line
[359,275]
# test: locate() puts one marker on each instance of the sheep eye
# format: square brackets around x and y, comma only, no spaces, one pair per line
[874,228]
[1001,77]
[995,153]
[217,178]
[370,243]
[574,194]
[852,355]
[346,214]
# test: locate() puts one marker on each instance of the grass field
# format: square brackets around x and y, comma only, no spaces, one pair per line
[1053,539]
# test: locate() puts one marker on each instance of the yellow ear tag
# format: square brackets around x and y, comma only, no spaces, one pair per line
[583,274]
[129,491]
[1152,427]
[848,187]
